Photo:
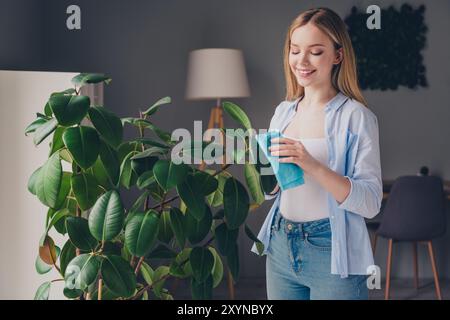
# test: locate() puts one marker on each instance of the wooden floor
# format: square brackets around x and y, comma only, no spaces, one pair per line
[255,289]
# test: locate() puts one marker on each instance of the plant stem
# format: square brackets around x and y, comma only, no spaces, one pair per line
[56,280]
[78,210]
[100,288]
[176,197]
[138,267]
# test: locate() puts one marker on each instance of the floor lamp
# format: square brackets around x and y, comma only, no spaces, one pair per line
[214,74]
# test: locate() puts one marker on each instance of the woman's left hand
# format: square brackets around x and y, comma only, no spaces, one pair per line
[294,152]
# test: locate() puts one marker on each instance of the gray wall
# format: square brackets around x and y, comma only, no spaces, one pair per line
[144,45]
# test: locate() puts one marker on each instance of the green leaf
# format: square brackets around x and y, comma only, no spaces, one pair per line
[139,202]
[141,232]
[144,123]
[147,273]
[68,252]
[197,230]
[217,270]
[233,262]
[235,203]
[156,106]
[44,131]
[145,180]
[69,110]
[48,110]
[111,163]
[47,250]
[33,180]
[64,190]
[215,199]
[83,144]
[143,165]
[226,239]
[191,191]
[118,276]
[48,181]
[180,266]
[150,142]
[57,216]
[72,293]
[78,230]
[107,216]
[177,224]
[90,78]
[41,266]
[168,174]
[165,233]
[161,252]
[149,152]
[43,291]
[237,114]
[127,175]
[108,125]
[203,290]
[82,271]
[57,142]
[158,275]
[208,182]
[251,235]
[69,91]
[253,183]
[34,125]
[85,189]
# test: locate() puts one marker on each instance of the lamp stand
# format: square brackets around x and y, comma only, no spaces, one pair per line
[216,121]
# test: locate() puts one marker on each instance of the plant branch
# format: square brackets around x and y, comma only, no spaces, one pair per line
[150,286]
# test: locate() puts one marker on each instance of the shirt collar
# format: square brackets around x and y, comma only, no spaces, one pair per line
[335,102]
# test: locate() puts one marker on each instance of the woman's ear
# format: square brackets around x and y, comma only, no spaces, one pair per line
[339,56]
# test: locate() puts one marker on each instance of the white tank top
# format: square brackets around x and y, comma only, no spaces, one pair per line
[307,202]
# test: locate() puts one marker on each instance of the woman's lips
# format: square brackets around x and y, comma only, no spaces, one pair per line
[305,73]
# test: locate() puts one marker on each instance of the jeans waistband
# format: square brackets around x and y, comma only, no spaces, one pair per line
[300,227]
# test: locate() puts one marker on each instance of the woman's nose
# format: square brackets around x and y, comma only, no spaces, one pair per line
[303,61]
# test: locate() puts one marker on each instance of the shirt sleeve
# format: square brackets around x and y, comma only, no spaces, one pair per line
[366,190]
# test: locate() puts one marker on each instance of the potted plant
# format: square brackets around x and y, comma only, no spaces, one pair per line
[186,217]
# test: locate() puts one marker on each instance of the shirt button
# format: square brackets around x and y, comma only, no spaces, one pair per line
[289,226]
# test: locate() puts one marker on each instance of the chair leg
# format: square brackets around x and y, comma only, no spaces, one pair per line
[433,266]
[374,244]
[415,266]
[388,273]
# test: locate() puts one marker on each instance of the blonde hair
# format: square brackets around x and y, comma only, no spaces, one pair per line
[344,76]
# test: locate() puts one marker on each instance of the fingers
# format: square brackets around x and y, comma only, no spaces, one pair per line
[283,140]
[285,147]
[287,159]
[284,153]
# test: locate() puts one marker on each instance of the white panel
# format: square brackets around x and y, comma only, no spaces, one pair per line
[22,216]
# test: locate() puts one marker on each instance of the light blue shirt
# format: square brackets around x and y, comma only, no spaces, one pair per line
[351,132]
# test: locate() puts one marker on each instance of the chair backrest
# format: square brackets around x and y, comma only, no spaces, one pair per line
[415,209]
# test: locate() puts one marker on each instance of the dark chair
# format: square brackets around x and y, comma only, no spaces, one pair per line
[415,212]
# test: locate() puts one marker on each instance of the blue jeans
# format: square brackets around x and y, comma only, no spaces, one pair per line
[298,264]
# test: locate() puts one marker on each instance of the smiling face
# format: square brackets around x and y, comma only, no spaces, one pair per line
[312,56]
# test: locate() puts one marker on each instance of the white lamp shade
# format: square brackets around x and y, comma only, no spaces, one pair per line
[216,73]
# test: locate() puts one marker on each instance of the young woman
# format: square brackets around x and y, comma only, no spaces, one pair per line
[315,236]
